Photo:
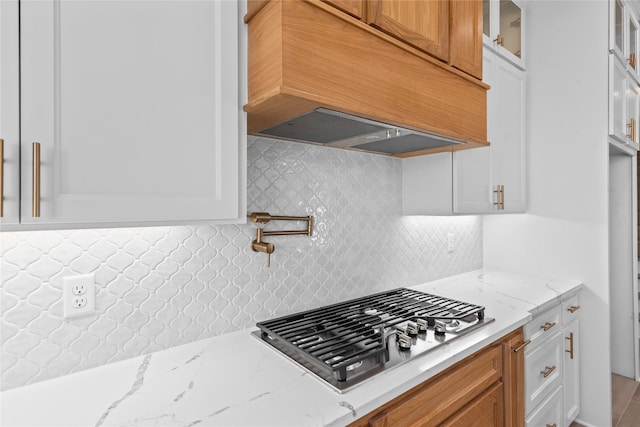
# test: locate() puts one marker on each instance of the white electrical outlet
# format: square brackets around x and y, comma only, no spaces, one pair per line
[78,295]
[451,242]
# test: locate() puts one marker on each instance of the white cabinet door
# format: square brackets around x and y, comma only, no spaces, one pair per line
[9,113]
[571,372]
[135,105]
[504,29]
[479,172]
[632,97]
[508,151]
[617,100]
[617,31]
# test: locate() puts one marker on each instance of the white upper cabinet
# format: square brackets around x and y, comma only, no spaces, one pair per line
[493,179]
[9,113]
[504,29]
[624,77]
[135,108]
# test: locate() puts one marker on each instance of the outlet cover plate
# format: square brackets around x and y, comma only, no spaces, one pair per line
[70,294]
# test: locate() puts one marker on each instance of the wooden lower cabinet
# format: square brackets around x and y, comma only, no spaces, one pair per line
[484,390]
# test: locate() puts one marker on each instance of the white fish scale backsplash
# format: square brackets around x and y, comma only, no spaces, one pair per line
[159,287]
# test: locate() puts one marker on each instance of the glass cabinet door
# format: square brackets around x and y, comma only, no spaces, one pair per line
[632,53]
[510,27]
[616,39]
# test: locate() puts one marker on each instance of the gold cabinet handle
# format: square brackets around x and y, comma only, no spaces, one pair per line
[1,177]
[500,197]
[35,180]
[548,326]
[632,130]
[570,351]
[517,348]
[573,308]
[548,370]
[552,425]
[632,60]
[499,40]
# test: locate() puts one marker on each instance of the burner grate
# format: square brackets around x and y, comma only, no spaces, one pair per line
[337,338]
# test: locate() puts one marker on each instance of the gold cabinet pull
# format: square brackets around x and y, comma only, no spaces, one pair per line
[500,197]
[552,425]
[570,351]
[499,40]
[632,130]
[1,177]
[573,308]
[35,180]
[548,370]
[632,60]
[548,326]
[517,348]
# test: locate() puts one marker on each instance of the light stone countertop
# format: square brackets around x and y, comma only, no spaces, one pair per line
[236,380]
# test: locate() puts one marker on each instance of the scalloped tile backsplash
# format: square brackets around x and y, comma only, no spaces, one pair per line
[159,287]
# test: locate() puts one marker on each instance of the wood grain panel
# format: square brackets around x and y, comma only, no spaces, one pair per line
[355,8]
[324,58]
[424,24]
[465,43]
[513,379]
[446,395]
[486,411]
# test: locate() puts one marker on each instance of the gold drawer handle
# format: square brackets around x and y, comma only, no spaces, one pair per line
[573,308]
[548,370]
[35,180]
[517,348]
[548,326]
[552,425]
[570,351]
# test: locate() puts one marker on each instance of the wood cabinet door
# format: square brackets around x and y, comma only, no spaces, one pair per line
[465,45]
[423,24]
[136,109]
[486,411]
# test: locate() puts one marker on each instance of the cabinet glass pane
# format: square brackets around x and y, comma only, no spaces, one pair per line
[618,24]
[510,19]
[633,40]
[486,18]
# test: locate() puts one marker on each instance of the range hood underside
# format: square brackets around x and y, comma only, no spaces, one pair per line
[308,61]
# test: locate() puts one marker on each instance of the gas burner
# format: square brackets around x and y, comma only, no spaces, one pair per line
[345,344]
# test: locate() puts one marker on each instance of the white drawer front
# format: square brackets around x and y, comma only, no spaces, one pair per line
[570,309]
[542,326]
[543,371]
[549,413]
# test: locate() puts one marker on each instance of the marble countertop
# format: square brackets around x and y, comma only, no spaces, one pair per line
[236,380]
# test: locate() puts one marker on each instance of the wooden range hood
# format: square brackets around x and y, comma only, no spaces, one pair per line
[307,55]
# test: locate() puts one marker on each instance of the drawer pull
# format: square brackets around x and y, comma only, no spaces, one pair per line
[548,326]
[573,308]
[570,351]
[35,180]
[548,370]
[552,425]
[517,348]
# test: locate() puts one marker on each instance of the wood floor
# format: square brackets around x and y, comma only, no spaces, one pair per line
[626,402]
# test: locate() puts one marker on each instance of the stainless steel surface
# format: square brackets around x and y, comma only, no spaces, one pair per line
[349,343]
[340,130]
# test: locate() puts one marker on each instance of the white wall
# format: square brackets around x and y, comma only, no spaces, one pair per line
[565,231]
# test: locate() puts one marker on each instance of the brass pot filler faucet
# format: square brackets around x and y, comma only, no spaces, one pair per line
[262,218]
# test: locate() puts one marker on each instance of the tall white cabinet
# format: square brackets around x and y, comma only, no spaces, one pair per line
[135,109]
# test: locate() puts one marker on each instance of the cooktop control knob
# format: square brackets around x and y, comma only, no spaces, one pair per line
[422,325]
[440,328]
[404,341]
[412,329]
